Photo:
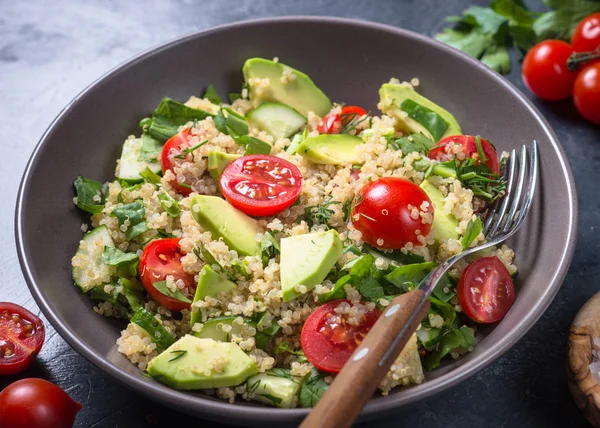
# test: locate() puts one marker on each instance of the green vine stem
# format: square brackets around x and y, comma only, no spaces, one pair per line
[578,58]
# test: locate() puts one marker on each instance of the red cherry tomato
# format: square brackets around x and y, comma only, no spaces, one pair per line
[328,340]
[442,151]
[333,123]
[485,290]
[29,403]
[586,93]
[21,338]
[160,258]
[586,36]
[261,185]
[172,148]
[545,72]
[381,212]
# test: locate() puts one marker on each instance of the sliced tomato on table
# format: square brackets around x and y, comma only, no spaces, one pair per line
[22,335]
[328,340]
[161,258]
[172,153]
[384,212]
[443,150]
[261,185]
[485,290]
[333,123]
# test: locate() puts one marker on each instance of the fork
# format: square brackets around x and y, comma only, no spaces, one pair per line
[357,381]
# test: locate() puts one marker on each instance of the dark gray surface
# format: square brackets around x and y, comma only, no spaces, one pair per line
[48,54]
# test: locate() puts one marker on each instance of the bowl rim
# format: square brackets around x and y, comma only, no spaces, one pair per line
[250,414]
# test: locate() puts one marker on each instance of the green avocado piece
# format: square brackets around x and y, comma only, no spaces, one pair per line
[220,218]
[392,95]
[184,364]
[286,85]
[209,284]
[330,149]
[307,259]
[276,387]
[444,225]
[217,162]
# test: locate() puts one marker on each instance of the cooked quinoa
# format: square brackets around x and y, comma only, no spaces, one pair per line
[258,291]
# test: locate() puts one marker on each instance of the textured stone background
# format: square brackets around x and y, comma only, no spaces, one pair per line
[51,49]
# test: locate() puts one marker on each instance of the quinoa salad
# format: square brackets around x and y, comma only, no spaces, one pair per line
[250,243]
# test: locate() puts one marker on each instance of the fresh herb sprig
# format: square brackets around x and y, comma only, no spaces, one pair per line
[319,214]
[190,151]
[351,120]
[179,353]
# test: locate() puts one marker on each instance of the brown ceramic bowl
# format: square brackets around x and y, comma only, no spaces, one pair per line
[86,139]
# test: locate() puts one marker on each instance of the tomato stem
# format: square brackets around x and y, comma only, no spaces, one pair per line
[578,58]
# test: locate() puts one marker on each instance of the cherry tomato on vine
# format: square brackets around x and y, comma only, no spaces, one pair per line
[586,36]
[328,340]
[21,337]
[29,403]
[545,71]
[160,258]
[586,93]
[392,211]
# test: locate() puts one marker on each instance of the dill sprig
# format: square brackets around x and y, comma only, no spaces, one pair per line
[477,176]
[179,353]
[190,151]
[351,120]
[319,214]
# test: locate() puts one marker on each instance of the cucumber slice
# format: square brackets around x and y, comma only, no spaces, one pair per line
[276,387]
[89,269]
[277,119]
[213,328]
[130,166]
[145,319]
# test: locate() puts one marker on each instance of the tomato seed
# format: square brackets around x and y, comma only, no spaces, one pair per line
[16,318]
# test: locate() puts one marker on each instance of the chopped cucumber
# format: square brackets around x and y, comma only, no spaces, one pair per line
[277,119]
[89,269]
[145,319]
[276,387]
[130,166]
[213,328]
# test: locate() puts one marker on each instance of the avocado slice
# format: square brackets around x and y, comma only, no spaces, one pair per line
[220,218]
[218,161]
[209,284]
[286,85]
[444,225]
[393,95]
[185,363]
[307,259]
[276,387]
[330,149]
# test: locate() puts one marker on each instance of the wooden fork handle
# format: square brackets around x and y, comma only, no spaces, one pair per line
[357,381]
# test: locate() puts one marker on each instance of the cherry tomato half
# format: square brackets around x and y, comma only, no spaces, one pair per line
[382,214]
[485,290]
[586,92]
[160,258]
[545,72]
[328,340]
[29,403]
[442,151]
[170,157]
[22,335]
[333,123]
[586,36]
[261,185]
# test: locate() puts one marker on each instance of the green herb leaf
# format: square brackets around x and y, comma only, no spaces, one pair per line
[179,353]
[282,348]
[412,143]
[170,205]
[396,256]
[457,339]
[169,116]
[560,23]
[474,228]
[151,149]
[134,212]
[89,195]
[150,176]
[337,292]
[232,96]
[253,145]
[312,388]
[231,123]
[263,336]
[269,248]
[161,286]
[115,257]
[430,120]
[497,58]
[370,289]
[211,95]
[408,277]
[318,214]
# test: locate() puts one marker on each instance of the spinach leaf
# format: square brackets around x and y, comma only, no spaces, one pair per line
[370,289]
[170,205]
[253,145]
[134,212]
[169,116]
[161,286]
[412,143]
[408,277]
[211,95]
[284,347]
[269,248]
[430,120]
[312,388]
[89,195]
[150,176]
[443,309]
[454,340]
[125,262]
[445,289]
[337,292]
[231,123]
[396,255]
[151,149]
[474,228]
